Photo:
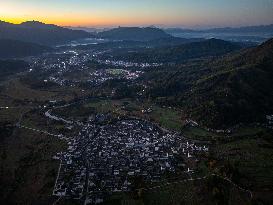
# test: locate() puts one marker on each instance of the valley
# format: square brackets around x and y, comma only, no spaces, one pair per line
[135,122]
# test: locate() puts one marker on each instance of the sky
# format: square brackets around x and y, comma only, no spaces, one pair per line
[165,13]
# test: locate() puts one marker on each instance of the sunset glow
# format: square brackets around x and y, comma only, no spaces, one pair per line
[128,12]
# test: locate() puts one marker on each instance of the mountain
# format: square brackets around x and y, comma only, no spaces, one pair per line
[239,88]
[134,33]
[251,34]
[16,49]
[87,29]
[38,25]
[176,54]
[40,33]
[221,93]
[179,30]
[246,29]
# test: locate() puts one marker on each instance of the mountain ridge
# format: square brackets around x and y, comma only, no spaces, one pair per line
[134,33]
[179,53]
[258,28]
[40,33]
[219,93]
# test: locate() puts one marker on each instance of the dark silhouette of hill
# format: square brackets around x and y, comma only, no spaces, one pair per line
[239,88]
[245,29]
[134,34]
[11,67]
[179,53]
[15,49]
[233,89]
[40,33]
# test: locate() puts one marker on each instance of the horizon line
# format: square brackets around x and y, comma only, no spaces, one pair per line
[195,27]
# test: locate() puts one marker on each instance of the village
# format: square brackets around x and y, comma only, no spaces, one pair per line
[105,158]
[63,65]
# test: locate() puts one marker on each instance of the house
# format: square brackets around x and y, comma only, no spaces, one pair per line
[269,119]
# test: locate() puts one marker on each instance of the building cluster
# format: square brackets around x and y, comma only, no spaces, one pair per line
[100,76]
[107,157]
[62,66]
[126,64]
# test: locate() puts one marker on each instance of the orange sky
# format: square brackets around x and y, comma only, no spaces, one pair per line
[187,13]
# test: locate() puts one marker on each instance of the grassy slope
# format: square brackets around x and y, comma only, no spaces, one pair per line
[27,167]
[218,93]
[27,170]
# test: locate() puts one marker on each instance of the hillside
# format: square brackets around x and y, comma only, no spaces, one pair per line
[221,93]
[40,33]
[14,49]
[179,53]
[240,90]
[134,34]
[11,67]
[250,35]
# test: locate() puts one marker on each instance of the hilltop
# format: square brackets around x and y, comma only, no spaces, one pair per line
[134,33]
[40,33]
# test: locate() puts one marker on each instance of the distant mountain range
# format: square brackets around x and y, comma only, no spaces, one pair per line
[51,35]
[16,49]
[88,29]
[40,33]
[248,29]
[134,34]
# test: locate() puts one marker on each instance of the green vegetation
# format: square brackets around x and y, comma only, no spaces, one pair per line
[245,157]
[198,133]
[27,167]
[220,93]
[209,191]
[169,118]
